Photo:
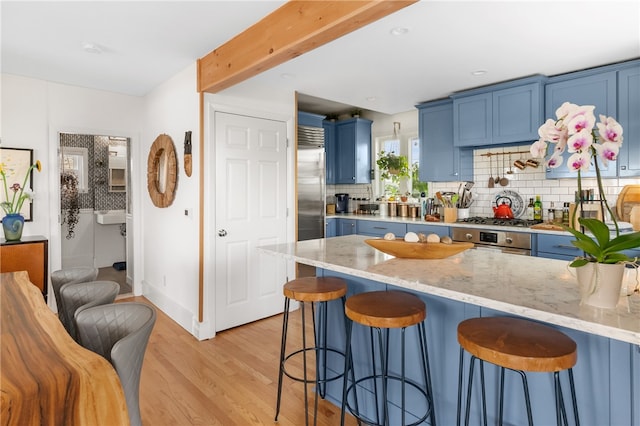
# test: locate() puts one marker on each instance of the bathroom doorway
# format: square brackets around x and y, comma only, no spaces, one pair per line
[94,200]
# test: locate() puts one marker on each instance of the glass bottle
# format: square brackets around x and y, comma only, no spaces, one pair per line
[530,209]
[537,209]
[565,214]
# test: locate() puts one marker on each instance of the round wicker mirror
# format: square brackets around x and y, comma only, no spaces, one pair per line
[162,171]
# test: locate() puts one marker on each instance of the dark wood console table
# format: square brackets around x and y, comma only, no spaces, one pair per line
[30,254]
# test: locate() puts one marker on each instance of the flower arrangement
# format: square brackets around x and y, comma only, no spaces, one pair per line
[13,203]
[574,130]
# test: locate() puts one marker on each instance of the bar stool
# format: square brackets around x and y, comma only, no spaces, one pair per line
[381,311]
[316,290]
[80,274]
[521,346]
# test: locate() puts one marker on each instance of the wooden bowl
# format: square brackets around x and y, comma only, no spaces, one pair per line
[402,249]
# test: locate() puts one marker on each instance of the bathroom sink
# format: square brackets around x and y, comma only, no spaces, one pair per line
[110,217]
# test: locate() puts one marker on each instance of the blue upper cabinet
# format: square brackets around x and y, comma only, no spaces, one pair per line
[353,151]
[629,118]
[505,113]
[440,161]
[330,151]
[591,87]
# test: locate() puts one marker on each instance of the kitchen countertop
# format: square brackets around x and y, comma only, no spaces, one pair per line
[420,221]
[536,288]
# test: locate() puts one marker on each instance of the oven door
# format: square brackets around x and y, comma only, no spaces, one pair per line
[509,250]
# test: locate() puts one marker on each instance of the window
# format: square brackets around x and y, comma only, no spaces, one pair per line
[409,146]
[76,160]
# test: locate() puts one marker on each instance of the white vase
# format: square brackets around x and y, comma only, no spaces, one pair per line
[600,284]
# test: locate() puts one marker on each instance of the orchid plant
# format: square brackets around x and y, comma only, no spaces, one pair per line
[575,130]
[15,194]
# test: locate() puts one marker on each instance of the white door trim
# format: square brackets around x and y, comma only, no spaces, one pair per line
[207,328]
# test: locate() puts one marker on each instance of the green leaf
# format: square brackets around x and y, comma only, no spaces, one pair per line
[623,242]
[615,258]
[588,246]
[581,261]
[598,229]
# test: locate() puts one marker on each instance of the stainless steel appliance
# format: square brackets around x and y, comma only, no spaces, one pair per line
[505,241]
[311,183]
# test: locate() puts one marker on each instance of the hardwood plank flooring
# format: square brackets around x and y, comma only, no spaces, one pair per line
[231,379]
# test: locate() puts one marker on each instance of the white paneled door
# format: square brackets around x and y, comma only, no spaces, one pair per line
[250,210]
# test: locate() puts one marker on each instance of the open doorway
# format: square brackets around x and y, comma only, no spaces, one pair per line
[94,179]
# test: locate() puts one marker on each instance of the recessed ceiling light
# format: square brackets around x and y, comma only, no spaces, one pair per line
[91,47]
[479,72]
[397,31]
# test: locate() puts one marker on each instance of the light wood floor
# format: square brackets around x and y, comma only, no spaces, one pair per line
[231,379]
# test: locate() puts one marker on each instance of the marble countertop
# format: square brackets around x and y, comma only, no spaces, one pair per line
[536,288]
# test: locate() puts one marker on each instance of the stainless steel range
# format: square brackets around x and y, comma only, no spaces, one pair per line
[506,241]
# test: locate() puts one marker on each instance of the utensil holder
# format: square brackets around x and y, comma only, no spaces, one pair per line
[450,214]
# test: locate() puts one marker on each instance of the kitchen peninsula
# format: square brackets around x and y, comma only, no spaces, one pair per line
[487,283]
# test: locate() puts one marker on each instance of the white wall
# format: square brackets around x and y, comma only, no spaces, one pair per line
[34,111]
[169,238]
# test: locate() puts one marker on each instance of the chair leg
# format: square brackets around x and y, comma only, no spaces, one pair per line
[424,351]
[460,369]
[304,365]
[527,400]
[573,397]
[283,344]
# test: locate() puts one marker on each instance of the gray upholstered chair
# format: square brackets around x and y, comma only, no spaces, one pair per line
[76,297]
[120,332]
[67,276]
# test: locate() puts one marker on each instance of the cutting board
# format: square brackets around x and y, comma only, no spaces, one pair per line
[629,197]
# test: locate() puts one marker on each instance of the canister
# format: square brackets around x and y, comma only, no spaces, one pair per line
[392,208]
[414,210]
[403,210]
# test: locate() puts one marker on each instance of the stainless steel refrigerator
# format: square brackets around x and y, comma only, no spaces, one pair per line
[311,183]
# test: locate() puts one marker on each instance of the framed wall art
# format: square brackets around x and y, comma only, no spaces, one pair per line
[15,164]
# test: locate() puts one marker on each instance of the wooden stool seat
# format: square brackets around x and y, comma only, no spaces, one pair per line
[315,289]
[386,309]
[517,344]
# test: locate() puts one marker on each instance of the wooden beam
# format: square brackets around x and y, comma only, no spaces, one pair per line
[293,29]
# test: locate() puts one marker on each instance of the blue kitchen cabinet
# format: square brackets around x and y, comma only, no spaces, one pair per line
[376,228]
[628,117]
[330,228]
[505,113]
[440,161]
[442,231]
[330,151]
[557,247]
[353,151]
[591,87]
[345,226]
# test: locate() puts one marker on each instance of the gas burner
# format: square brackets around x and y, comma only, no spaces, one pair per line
[479,220]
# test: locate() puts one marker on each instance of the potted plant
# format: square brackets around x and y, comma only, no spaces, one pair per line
[392,166]
[70,201]
[356,113]
[574,130]
[13,221]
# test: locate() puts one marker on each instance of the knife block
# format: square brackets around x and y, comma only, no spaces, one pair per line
[588,210]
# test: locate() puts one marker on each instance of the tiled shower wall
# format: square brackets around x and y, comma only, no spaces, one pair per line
[98,197]
[527,183]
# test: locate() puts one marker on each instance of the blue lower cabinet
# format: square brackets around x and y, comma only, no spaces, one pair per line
[606,379]
[429,229]
[375,228]
[330,229]
[345,227]
[557,247]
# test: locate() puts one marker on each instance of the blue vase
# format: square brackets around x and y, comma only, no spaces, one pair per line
[12,225]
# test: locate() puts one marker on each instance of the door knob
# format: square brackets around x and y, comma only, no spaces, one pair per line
[222,233]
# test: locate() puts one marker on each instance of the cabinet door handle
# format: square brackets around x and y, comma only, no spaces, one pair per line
[379,227]
[564,246]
